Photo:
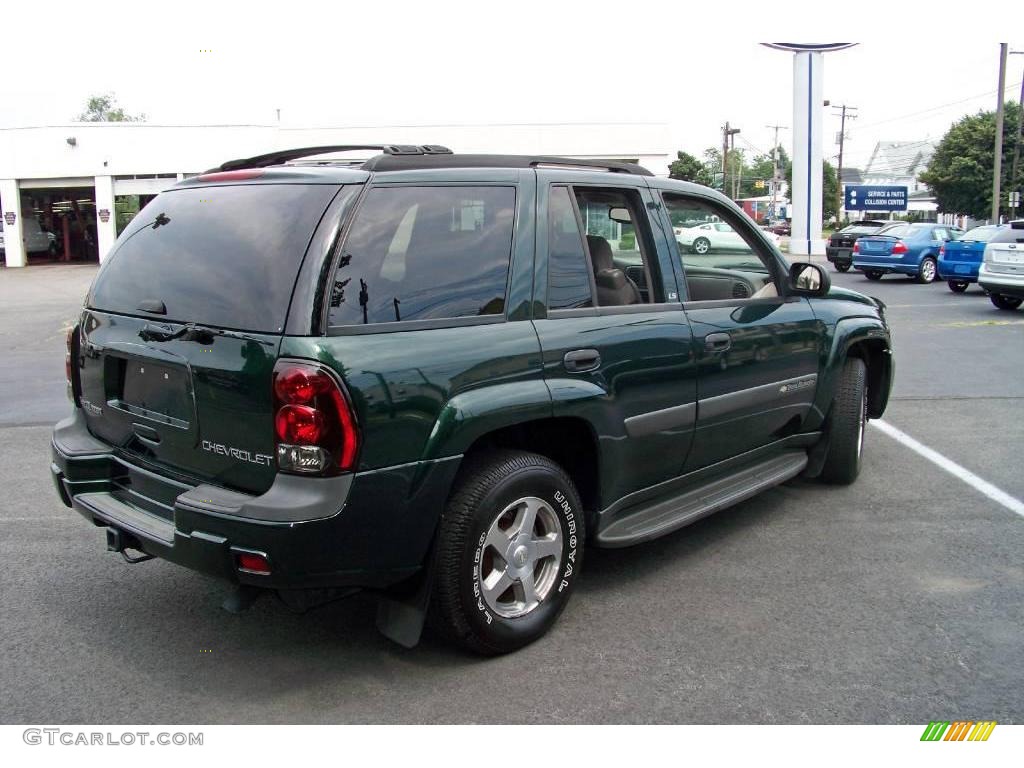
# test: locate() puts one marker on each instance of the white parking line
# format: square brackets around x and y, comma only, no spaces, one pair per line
[997,495]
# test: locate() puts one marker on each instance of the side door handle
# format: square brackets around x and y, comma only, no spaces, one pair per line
[717,342]
[582,360]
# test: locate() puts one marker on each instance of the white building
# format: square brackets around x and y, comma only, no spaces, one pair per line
[71,178]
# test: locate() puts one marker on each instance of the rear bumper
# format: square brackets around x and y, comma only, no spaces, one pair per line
[371,529]
[1002,283]
[886,266]
[958,270]
[839,255]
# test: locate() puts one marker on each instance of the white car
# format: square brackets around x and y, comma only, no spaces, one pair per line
[36,239]
[1002,268]
[711,235]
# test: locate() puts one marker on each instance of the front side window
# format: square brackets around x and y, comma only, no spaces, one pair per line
[425,253]
[616,235]
[721,260]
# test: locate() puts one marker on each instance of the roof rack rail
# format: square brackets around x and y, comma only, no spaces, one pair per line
[284,155]
[401,162]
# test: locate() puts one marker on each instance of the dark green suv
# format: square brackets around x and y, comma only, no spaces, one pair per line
[443,376]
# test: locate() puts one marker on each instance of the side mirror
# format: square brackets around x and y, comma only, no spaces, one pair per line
[620,215]
[809,279]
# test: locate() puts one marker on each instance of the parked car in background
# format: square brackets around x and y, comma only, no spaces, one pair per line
[709,236]
[840,246]
[1002,268]
[36,239]
[959,260]
[782,228]
[903,248]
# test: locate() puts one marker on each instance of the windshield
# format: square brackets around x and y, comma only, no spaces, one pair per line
[225,256]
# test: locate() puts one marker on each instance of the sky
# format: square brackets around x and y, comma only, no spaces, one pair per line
[691,66]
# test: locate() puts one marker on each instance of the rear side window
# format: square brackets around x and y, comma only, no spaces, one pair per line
[224,256]
[423,253]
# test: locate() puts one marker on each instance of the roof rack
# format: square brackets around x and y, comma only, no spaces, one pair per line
[404,157]
[284,155]
[394,162]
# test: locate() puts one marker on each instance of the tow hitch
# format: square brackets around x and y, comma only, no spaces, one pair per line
[119,541]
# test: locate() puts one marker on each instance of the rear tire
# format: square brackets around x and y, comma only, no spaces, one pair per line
[927,271]
[957,286]
[1005,302]
[846,425]
[509,552]
[873,274]
[701,246]
[842,267]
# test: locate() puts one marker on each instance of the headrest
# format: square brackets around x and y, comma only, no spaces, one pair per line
[614,279]
[600,253]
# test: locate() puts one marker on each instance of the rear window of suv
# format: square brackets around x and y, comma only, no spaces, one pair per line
[425,253]
[224,256]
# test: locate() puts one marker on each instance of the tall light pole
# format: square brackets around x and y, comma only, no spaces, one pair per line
[806,193]
[997,166]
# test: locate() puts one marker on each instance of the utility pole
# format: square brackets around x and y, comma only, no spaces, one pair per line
[998,164]
[775,169]
[842,138]
[1020,135]
[727,138]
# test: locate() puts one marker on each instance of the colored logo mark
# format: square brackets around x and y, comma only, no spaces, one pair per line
[958,730]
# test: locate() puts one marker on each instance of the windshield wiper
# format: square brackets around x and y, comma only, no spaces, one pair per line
[195,332]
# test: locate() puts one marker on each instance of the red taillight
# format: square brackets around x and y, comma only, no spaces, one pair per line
[252,562]
[942,250]
[241,175]
[299,424]
[313,422]
[856,247]
[899,247]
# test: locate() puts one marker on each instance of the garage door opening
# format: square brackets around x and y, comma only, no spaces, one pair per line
[59,224]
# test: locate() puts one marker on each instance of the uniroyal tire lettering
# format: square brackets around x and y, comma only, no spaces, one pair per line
[477,556]
[570,523]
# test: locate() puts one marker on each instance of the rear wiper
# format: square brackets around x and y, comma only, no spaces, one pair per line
[194,332]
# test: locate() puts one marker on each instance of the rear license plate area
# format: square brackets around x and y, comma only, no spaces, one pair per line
[153,390]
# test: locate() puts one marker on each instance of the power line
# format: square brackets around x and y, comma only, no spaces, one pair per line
[934,109]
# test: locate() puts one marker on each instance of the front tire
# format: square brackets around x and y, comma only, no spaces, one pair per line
[701,246]
[957,286]
[509,552]
[846,425]
[873,274]
[927,271]
[1005,302]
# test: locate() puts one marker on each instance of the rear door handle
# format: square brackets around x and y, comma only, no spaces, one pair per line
[717,342]
[582,360]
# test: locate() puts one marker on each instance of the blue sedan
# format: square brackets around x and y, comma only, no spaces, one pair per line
[907,249]
[959,259]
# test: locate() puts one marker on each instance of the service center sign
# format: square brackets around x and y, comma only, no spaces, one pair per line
[876,198]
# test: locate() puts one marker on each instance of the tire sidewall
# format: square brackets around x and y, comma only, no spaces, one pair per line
[496,631]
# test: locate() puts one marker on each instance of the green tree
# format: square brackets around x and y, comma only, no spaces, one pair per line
[829,188]
[686,167]
[960,171]
[102,108]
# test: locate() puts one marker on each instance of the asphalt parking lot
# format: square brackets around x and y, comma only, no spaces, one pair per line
[899,599]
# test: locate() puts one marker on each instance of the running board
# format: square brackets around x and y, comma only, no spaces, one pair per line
[657,518]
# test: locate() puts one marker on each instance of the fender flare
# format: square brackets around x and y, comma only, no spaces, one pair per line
[841,337]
